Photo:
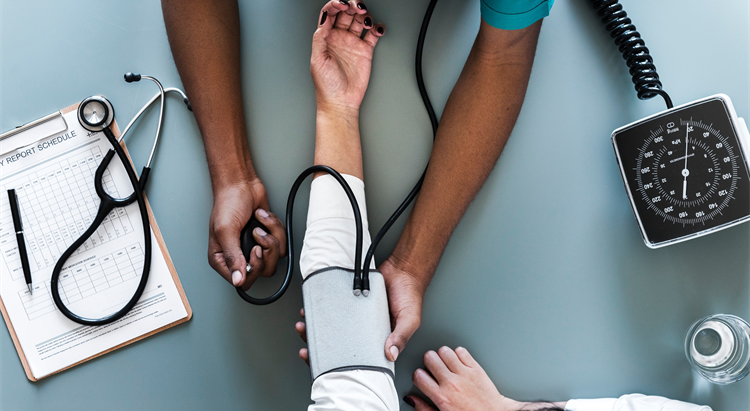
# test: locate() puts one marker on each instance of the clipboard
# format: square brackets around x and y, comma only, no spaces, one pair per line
[154,227]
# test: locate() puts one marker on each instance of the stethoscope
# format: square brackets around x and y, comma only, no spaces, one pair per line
[96,114]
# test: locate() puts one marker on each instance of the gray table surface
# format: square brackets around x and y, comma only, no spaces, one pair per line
[546,279]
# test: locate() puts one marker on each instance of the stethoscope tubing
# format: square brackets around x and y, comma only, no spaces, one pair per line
[105,207]
[290,238]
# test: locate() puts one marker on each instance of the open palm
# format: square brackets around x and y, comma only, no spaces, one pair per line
[341,57]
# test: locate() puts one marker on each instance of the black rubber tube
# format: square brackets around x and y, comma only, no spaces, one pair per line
[433,121]
[290,238]
[108,204]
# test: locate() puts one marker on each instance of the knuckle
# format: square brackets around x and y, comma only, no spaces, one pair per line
[441,401]
[416,375]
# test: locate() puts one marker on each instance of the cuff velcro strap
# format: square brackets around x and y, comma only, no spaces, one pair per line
[344,331]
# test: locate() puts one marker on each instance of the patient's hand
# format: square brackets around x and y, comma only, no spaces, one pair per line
[341,57]
[456,382]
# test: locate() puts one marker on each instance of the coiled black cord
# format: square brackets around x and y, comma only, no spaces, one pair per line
[633,49]
[434,121]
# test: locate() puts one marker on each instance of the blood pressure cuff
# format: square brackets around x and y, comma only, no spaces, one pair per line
[344,331]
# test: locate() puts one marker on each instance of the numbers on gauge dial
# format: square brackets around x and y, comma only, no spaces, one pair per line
[687,172]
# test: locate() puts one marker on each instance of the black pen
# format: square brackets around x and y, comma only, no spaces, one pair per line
[13,200]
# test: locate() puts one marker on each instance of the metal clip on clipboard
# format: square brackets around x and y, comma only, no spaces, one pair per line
[51,124]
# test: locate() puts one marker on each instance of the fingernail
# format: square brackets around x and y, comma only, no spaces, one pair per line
[368,22]
[344,2]
[236,278]
[394,352]
[323,19]
[261,232]
[263,213]
[409,401]
[259,252]
[380,30]
[361,6]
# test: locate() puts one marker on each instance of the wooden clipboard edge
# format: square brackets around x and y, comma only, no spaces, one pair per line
[170,266]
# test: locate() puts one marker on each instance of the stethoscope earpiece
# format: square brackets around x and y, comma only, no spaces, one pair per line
[96,113]
[131,77]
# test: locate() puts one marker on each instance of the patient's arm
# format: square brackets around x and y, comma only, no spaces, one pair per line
[340,67]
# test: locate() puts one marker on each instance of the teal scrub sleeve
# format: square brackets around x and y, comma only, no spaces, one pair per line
[514,14]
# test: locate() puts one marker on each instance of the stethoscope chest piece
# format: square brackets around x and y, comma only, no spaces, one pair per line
[95,113]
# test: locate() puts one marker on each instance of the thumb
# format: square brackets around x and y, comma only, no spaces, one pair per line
[407,324]
[229,240]
[418,403]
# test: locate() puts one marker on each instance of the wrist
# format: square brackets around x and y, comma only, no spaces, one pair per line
[417,276]
[340,112]
[229,178]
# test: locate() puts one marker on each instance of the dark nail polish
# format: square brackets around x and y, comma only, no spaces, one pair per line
[409,401]
[380,30]
[361,6]
[368,22]
[323,19]
[344,2]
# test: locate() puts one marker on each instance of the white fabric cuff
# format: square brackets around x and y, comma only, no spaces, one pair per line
[633,402]
[599,404]
[331,234]
[328,200]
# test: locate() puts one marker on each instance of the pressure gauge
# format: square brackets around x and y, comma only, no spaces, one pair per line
[686,170]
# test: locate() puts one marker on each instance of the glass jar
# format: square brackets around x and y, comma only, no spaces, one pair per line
[718,348]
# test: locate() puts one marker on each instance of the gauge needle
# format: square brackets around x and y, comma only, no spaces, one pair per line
[685,171]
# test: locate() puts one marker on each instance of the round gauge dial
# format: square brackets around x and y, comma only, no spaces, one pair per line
[689,176]
[685,171]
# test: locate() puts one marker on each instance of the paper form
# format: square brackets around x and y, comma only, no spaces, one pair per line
[54,182]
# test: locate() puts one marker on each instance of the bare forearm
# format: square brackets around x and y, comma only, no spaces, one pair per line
[477,121]
[337,141]
[205,39]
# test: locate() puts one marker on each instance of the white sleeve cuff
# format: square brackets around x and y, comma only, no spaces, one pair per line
[599,404]
[354,390]
[633,402]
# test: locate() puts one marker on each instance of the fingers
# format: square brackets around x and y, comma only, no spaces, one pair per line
[436,366]
[329,12]
[268,251]
[425,383]
[326,19]
[374,34]
[418,403]
[304,356]
[257,266]
[450,359]
[406,324]
[361,22]
[466,358]
[275,228]
[216,257]
[301,330]
[345,19]
[225,240]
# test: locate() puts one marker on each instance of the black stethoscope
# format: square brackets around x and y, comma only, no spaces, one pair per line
[96,114]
